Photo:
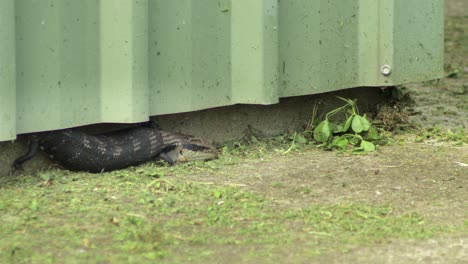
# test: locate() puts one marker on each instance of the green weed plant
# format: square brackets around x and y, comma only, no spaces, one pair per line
[356,133]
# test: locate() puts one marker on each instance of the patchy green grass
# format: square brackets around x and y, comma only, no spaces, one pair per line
[437,134]
[151,213]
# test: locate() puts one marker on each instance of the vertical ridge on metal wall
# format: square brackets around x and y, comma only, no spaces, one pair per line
[7,70]
[123,61]
[254,52]
[385,42]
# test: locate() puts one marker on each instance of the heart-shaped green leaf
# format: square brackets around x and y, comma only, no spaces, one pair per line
[365,123]
[322,132]
[301,139]
[360,124]
[338,129]
[340,142]
[357,125]
[373,134]
[367,146]
[348,122]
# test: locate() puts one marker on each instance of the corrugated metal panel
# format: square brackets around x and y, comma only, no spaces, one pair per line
[68,63]
[329,45]
[7,71]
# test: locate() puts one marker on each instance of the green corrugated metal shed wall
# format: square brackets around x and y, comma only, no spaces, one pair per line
[68,63]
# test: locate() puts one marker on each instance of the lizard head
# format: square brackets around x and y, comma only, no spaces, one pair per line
[192,150]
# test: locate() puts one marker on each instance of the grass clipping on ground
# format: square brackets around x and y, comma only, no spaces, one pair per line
[151,212]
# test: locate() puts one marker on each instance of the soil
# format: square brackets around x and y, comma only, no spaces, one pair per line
[424,178]
[427,179]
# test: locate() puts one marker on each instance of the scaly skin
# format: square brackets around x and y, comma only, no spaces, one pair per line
[187,148]
[79,151]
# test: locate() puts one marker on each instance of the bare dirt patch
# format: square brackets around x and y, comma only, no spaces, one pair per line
[441,250]
[428,179]
[456,8]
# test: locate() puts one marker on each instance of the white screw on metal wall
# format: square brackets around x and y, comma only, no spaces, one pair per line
[386,70]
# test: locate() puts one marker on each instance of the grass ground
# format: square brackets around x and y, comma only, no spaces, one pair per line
[404,203]
[253,204]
